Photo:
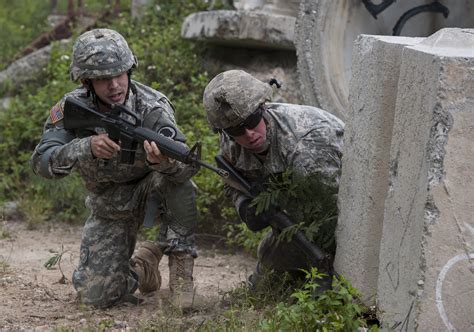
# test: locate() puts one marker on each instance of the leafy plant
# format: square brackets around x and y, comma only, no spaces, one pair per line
[3,266]
[337,309]
[239,234]
[54,261]
[310,203]
[4,234]
[150,233]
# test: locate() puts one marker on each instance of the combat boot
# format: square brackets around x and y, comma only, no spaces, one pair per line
[181,283]
[145,263]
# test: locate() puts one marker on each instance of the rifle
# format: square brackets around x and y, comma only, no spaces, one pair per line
[279,219]
[77,115]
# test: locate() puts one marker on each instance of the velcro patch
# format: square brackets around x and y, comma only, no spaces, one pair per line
[167,131]
[56,113]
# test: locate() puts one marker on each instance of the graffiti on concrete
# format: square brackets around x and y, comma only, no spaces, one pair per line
[439,287]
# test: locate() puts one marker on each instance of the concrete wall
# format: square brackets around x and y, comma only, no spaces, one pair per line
[415,204]
[428,210]
[367,139]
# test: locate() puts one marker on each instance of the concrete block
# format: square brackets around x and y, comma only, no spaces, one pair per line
[426,275]
[241,28]
[367,139]
[28,68]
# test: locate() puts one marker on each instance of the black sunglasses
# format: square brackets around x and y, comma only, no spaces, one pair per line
[249,123]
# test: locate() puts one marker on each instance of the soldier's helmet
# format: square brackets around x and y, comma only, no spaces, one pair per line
[232,96]
[100,53]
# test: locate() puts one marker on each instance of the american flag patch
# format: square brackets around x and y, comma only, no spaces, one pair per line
[56,113]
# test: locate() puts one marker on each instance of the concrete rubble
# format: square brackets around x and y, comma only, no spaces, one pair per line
[27,68]
[256,23]
[257,37]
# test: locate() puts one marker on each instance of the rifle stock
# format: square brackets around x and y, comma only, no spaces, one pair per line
[279,219]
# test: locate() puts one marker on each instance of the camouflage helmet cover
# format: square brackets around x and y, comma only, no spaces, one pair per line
[232,96]
[100,53]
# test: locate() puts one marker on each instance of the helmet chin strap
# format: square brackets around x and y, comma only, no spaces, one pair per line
[96,99]
[91,92]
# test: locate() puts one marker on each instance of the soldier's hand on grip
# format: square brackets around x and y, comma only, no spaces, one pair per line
[103,147]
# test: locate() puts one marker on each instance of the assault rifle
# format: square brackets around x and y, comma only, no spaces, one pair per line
[117,123]
[279,219]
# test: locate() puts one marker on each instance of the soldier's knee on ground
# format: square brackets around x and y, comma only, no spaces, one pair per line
[99,291]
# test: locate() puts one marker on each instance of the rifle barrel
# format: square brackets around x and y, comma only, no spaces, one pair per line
[219,171]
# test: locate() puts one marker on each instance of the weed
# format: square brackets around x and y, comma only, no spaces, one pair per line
[150,233]
[4,233]
[3,266]
[239,234]
[63,329]
[56,260]
[232,320]
[34,210]
[337,309]
[310,202]
[104,324]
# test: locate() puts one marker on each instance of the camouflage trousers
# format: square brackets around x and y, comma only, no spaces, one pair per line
[103,276]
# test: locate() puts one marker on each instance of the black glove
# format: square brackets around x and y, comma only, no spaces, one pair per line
[248,214]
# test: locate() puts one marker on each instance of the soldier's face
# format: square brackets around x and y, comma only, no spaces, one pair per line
[112,90]
[253,139]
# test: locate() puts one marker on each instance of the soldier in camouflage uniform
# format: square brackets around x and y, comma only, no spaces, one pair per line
[264,139]
[121,196]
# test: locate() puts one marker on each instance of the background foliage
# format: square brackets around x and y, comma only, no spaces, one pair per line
[22,19]
[166,62]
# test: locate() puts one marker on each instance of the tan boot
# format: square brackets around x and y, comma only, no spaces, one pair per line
[181,266]
[145,263]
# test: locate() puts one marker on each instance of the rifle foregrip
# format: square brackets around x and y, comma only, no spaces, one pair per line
[169,147]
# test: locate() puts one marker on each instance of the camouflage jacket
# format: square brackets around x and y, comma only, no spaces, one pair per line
[61,151]
[303,139]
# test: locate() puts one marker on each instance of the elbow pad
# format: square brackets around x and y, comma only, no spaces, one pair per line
[40,161]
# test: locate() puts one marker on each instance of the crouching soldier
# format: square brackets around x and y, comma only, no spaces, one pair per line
[121,196]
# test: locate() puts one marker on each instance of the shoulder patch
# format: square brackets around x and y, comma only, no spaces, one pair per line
[56,113]
[167,131]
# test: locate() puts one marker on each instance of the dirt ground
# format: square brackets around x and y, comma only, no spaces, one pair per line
[33,297]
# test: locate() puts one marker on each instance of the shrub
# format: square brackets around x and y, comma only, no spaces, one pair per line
[337,309]
[166,62]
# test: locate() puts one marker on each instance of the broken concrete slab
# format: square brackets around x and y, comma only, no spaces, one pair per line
[241,28]
[28,68]
[367,138]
